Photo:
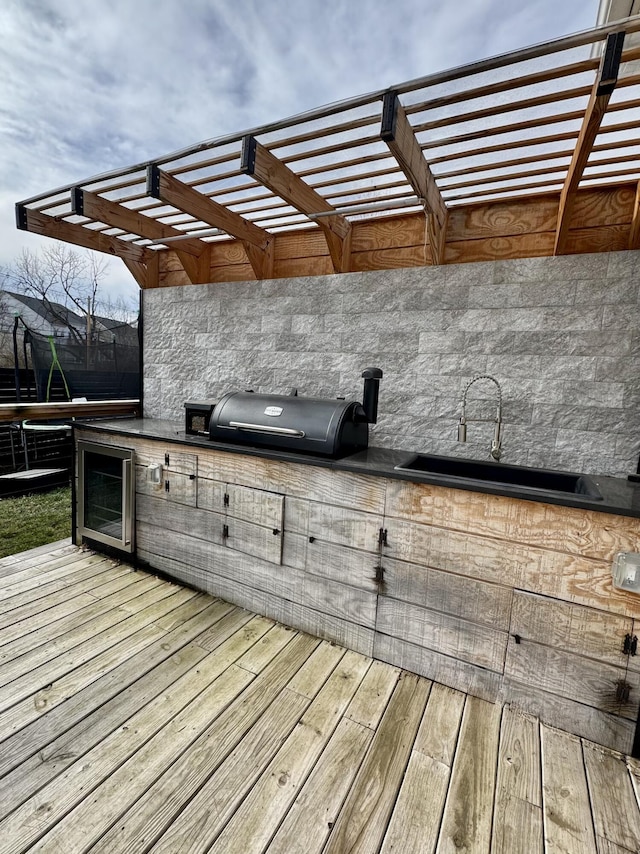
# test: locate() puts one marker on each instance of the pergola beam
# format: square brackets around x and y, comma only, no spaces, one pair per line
[398,134]
[192,253]
[49,226]
[99,209]
[256,241]
[261,164]
[603,87]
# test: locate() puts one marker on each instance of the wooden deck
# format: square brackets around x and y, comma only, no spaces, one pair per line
[137,715]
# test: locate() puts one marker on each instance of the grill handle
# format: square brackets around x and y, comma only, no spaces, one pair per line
[264,428]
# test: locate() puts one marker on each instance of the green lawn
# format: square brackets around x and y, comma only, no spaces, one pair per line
[34,520]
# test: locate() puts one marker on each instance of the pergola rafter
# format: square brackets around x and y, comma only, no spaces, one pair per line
[265,167]
[346,187]
[98,209]
[256,241]
[603,87]
[398,134]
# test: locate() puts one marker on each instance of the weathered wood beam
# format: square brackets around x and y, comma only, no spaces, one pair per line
[138,271]
[256,241]
[192,253]
[603,87]
[38,223]
[397,132]
[259,163]
[84,203]
[42,411]
[634,234]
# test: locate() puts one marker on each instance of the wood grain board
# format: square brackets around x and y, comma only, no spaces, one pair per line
[481,231]
[254,738]
[493,596]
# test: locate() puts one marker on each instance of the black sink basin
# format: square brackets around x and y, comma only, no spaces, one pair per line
[518,477]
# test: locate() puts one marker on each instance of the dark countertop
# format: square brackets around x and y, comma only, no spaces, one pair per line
[619,495]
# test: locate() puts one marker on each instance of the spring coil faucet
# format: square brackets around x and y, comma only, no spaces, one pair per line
[496,447]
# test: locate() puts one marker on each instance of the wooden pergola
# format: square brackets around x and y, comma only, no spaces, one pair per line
[536,152]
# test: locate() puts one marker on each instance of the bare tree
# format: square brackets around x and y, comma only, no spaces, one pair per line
[65,281]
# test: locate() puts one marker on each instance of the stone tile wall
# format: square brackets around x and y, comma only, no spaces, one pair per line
[561,335]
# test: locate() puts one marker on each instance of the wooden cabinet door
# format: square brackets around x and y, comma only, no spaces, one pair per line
[177,474]
[252,519]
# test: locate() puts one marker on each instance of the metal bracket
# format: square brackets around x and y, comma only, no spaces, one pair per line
[225,500]
[166,459]
[77,201]
[153,181]
[248,155]
[623,691]
[167,486]
[630,646]
[389,116]
[610,63]
[382,537]
[379,574]
[21,218]
[225,532]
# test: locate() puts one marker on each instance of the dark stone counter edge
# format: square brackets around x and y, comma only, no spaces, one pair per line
[620,496]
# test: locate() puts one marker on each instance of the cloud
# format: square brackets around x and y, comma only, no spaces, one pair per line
[96,85]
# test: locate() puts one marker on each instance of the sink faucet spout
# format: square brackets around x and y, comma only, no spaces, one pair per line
[496,443]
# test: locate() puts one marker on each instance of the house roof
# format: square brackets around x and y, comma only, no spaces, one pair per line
[554,118]
[54,312]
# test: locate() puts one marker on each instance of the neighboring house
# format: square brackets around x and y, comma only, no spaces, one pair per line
[36,317]
[56,320]
[116,330]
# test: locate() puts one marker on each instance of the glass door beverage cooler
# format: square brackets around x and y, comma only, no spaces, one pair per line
[106,490]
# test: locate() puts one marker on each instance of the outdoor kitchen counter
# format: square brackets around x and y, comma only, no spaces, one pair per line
[509,600]
[620,496]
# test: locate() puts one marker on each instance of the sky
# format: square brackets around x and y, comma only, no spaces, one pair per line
[94,85]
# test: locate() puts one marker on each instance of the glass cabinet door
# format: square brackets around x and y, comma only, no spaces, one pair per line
[105,494]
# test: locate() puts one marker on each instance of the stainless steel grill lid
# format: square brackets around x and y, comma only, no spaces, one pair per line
[305,424]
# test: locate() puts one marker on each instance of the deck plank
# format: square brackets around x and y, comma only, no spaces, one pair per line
[517,820]
[466,823]
[92,594]
[258,816]
[31,602]
[615,809]
[142,824]
[438,733]
[32,556]
[72,711]
[568,823]
[175,723]
[33,774]
[363,820]
[267,779]
[416,818]
[27,581]
[66,686]
[370,701]
[156,732]
[166,599]
[34,647]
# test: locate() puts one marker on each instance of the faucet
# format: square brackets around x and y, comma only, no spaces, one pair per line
[496,448]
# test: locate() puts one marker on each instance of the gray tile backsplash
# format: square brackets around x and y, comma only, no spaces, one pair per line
[559,334]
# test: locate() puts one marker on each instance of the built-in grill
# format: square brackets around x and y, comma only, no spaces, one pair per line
[310,425]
